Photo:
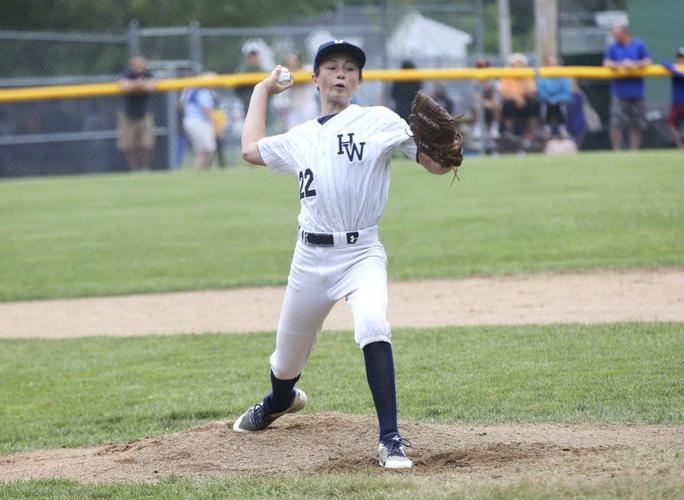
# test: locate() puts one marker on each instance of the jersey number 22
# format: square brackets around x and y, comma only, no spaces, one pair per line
[305,179]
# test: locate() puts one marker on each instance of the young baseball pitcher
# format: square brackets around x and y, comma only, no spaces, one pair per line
[342,163]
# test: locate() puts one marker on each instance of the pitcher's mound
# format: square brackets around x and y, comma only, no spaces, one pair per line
[340,443]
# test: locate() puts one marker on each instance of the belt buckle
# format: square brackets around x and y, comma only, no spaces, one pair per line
[352,237]
[309,239]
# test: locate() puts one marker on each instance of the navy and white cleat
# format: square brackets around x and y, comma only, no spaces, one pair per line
[391,454]
[257,419]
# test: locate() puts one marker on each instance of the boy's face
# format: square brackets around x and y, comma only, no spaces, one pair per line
[338,77]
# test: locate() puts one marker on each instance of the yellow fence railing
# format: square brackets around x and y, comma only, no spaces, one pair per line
[229,81]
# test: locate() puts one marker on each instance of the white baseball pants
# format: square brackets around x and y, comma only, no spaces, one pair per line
[319,277]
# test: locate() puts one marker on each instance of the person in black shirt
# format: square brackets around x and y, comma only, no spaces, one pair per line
[251,64]
[403,92]
[135,122]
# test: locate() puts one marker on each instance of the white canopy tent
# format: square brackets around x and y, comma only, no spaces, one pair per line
[428,43]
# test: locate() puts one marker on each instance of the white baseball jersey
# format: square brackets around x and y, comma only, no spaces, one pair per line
[342,165]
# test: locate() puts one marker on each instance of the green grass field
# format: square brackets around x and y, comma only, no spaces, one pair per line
[153,385]
[85,236]
[91,391]
[99,235]
[301,486]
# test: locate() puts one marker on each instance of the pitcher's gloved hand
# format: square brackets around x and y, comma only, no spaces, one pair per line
[435,131]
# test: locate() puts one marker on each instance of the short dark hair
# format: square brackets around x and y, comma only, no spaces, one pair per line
[482,63]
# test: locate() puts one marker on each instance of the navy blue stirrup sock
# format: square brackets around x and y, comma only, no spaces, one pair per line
[282,392]
[380,374]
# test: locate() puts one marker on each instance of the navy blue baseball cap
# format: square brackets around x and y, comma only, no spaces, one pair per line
[334,46]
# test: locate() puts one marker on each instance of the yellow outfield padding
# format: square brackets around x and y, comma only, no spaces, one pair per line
[581,72]
[108,89]
[229,81]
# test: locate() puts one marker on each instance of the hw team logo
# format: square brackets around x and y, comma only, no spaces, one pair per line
[350,147]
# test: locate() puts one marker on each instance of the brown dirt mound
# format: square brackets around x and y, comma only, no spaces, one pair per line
[340,443]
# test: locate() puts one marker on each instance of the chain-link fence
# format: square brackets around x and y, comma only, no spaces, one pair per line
[79,135]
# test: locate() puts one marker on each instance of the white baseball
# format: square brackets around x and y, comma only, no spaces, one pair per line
[285,76]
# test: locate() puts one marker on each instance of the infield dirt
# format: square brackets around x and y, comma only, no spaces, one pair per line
[590,297]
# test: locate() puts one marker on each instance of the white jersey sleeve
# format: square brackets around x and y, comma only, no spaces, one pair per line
[399,134]
[277,152]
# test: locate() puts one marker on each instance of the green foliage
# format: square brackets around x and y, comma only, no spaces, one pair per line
[93,390]
[119,234]
[28,59]
[103,16]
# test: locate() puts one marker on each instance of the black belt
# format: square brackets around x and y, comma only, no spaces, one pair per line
[328,240]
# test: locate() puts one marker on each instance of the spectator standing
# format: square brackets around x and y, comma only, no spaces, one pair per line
[402,93]
[198,106]
[219,121]
[135,122]
[577,120]
[251,64]
[676,117]
[181,139]
[487,100]
[554,95]
[520,107]
[627,107]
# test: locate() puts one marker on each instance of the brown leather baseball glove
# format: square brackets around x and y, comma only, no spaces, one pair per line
[435,132]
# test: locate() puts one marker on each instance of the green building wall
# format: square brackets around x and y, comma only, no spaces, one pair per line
[660,24]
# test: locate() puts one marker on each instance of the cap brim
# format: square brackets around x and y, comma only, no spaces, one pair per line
[345,48]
